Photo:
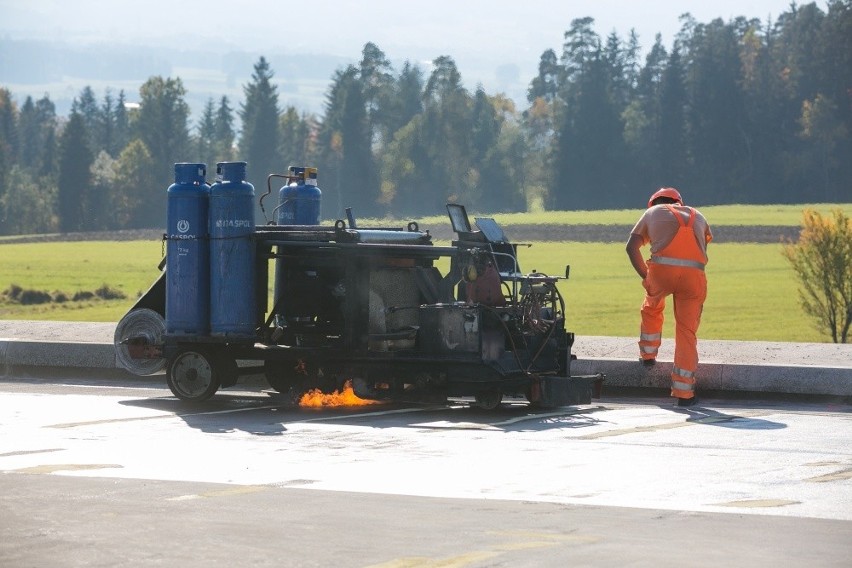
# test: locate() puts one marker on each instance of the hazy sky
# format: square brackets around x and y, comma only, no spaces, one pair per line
[480,35]
[509,30]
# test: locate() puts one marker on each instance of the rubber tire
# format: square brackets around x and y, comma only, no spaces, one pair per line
[282,377]
[532,403]
[489,400]
[229,371]
[193,374]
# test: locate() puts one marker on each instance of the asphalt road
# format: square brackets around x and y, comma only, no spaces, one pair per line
[113,472]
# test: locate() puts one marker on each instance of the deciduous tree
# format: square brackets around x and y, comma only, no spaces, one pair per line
[822,262]
[162,125]
[134,169]
[28,208]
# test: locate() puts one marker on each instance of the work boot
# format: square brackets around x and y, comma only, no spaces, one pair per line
[648,362]
[687,401]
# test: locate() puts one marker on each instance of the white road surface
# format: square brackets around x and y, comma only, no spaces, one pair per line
[738,457]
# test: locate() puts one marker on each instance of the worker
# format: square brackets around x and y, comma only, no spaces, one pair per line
[678,236]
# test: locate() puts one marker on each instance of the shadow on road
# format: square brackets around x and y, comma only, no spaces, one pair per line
[263,415]
[710,417]
[223,414]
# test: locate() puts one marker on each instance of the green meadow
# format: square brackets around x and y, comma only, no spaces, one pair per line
[74,267]
[752,290]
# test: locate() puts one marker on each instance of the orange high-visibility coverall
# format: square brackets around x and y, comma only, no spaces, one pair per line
[676,268]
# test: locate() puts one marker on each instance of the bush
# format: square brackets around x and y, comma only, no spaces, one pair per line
[14,292]
[83,295]
[107,293]
[25,297]
[31,297]
[822,261]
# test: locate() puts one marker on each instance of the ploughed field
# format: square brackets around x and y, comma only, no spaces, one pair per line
[619,233]
[515,233]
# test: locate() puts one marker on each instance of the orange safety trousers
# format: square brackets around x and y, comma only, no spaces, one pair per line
[677,270]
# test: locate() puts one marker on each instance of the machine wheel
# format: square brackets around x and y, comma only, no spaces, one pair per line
[194,374]
[284,375]
[489,400]
[229,370]
[533,394]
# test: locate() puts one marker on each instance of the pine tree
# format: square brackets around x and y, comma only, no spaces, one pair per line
[259,114]
[86,105]
[121,120]
[445,136]
[205,140]
[29,131]
[376,75]
[224,134]
[74,175]
[8,143]
[408,97]
[672,156]
[105,138]
[545,85]
[357,166]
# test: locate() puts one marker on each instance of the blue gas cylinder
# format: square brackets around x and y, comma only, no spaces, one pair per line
[299,201]
[298,204]
[188,252]
[232,253]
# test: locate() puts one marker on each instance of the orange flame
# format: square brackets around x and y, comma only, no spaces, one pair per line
[315,398]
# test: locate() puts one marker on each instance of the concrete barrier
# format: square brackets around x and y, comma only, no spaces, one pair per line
[755,378]
[733,366]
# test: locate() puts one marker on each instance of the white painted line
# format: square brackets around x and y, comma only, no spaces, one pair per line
[496,425]
[368,414]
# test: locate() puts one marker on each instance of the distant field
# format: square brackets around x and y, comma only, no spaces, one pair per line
[72,267]
[752,292]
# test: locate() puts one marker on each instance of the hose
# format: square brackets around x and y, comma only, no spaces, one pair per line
[144,327]
[268,191]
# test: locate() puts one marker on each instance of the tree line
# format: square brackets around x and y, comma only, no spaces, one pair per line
[742,111]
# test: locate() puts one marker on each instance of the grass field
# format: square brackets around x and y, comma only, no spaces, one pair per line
[752,291]
[71,267]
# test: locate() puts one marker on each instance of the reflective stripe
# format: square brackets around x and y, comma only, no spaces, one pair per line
[683,373]
[677,262]
[650,336]
[647,349]
[677,385]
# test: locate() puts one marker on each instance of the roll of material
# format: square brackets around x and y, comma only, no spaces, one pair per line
[137,330]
